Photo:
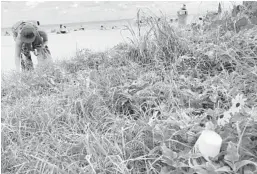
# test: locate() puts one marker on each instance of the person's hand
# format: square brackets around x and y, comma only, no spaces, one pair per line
[35,52]
[17,54]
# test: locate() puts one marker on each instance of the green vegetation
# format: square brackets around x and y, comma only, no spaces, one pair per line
[137,108]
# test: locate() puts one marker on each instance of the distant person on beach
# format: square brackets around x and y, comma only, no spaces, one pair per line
[182,16]
[29,37]
[103,27]
[7,33]
[81,28]
[63,29]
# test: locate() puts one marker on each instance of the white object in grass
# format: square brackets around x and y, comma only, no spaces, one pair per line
[209,144]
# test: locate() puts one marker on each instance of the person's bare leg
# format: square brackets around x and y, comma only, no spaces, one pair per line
[17,56]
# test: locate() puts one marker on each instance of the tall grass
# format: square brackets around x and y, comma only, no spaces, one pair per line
[137,108]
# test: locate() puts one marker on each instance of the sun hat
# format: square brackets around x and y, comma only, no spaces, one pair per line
[28,33]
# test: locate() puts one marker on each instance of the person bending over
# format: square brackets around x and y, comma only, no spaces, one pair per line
[29,37]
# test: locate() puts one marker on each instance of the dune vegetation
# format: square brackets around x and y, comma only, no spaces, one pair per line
[138,107]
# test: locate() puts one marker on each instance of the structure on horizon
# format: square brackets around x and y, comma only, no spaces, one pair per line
[182,16]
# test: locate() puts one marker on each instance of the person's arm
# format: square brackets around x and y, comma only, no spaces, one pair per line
[17,45]
[43,34]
